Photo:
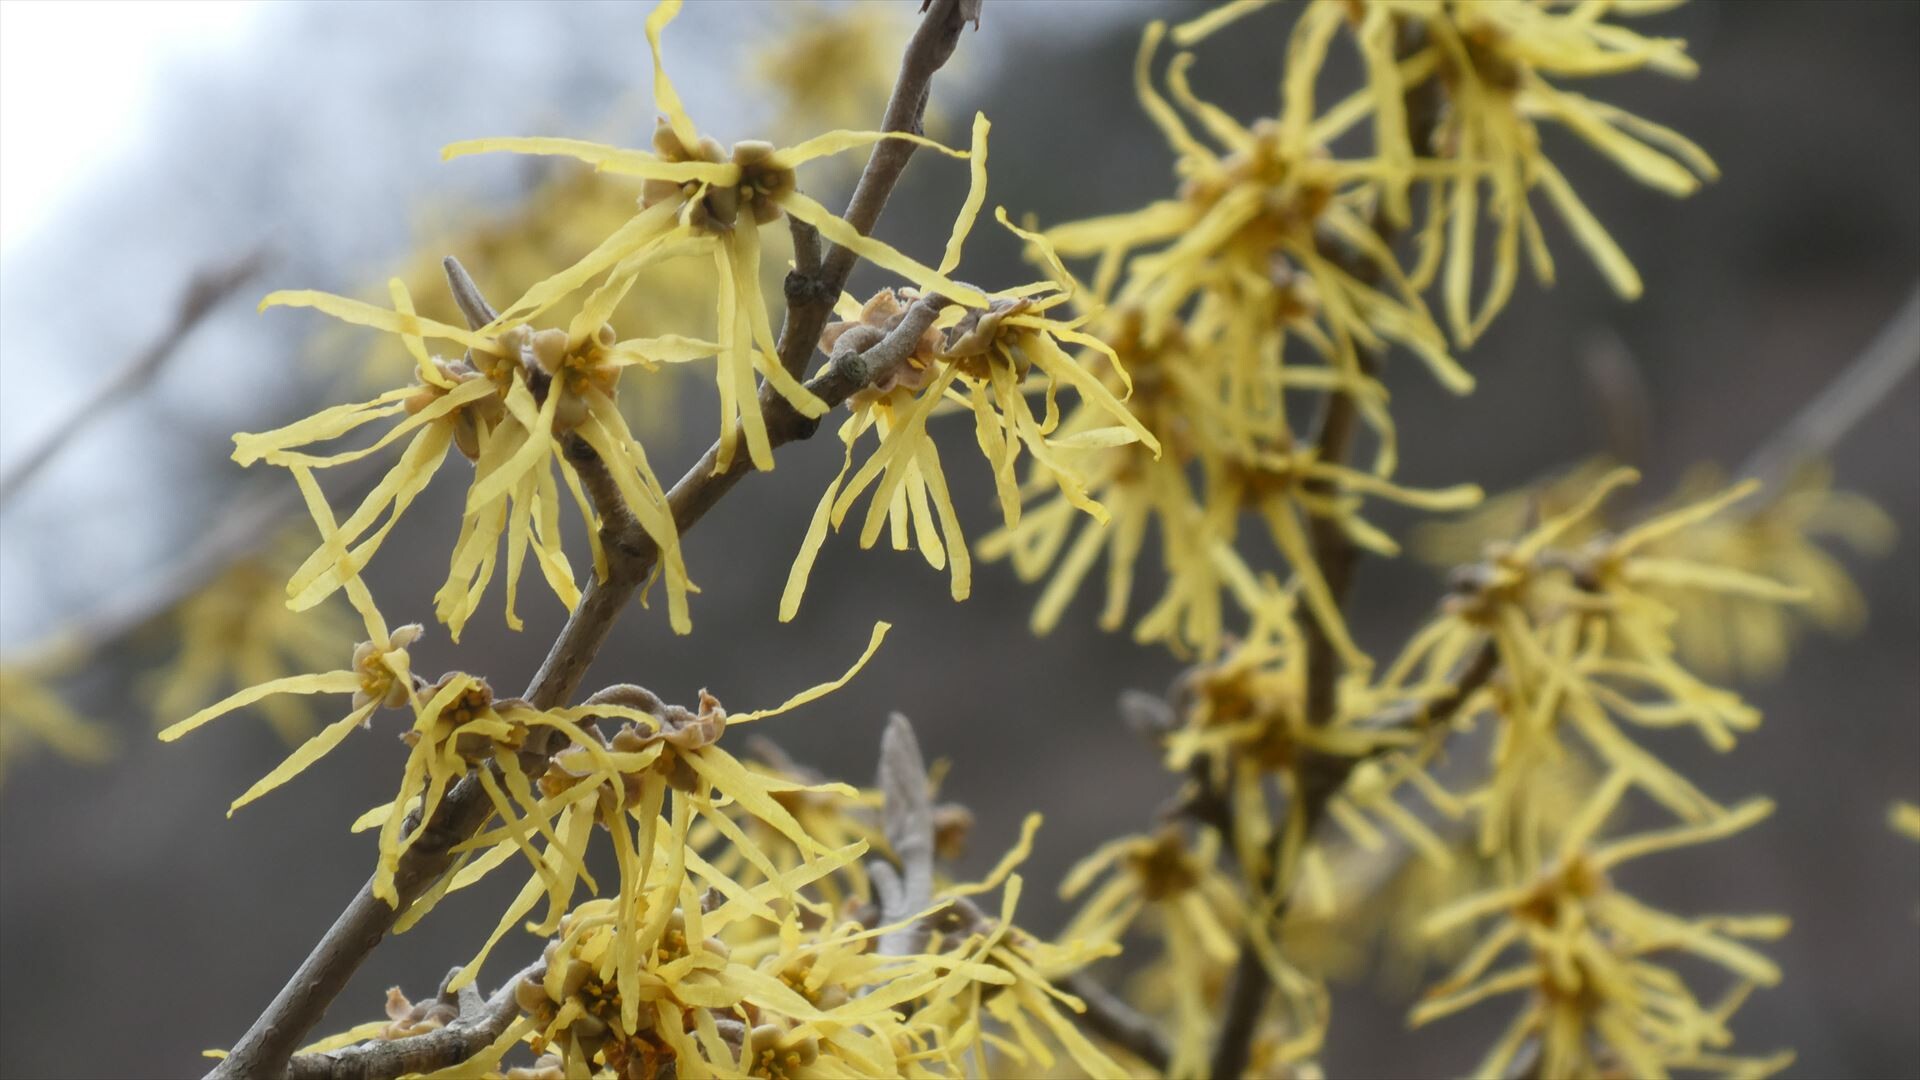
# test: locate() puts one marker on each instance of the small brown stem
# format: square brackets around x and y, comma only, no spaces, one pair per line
[471,1032]
[1118,1022]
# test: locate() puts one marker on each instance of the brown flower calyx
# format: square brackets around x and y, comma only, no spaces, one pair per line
[406,1018]
[952,825]
[775,1053]
[1162,865]
[763,182]
[1288,203]
[1274,471]
[677,729]
[572,371]
[468,419]
[475,702]
[377,680]
[977,340]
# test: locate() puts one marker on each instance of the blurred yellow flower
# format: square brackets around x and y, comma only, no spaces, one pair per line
[236,631]
[32,712]
[1599,1003]
[1776,538]
[824,66]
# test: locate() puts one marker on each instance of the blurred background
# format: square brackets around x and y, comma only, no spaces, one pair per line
[145,144]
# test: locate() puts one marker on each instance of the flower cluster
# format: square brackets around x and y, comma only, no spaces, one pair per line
[704,905]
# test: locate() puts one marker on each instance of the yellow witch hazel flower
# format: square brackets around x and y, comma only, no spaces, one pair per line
[1195,908]
[1249,226]
[1496,59]
[660,758]
[701,200]
[1581,640]
[1776,539]
[1600,1001]
[1242,724]
[1135,486]
[32,713]
[380,676]
[507,404]
[912,496]
[509,248]
[236,630]
[983,361]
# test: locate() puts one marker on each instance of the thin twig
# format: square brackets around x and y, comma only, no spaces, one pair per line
[293,1013]
[478,1025]
[1866,382]
[241,526]
[204,292]
[1118,1022]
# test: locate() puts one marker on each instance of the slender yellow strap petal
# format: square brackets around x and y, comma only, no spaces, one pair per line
[1686,517]
[976,195]
[327,424]
[309,752]
[665,97]
[1193,31]
[665,349]
[1550,530]
[960,566]
[332,682]
[877,253]
[816,692]
[416,346]
[816,534]
[361,313]
[753,305]
[1592,235]
[837,142]
[611,159]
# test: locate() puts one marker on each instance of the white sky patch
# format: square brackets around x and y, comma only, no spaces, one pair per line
[75,83]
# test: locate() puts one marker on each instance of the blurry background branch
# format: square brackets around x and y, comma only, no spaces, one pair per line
[204,293]
[1869,380]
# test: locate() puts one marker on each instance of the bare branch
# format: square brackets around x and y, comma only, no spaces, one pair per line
[1118,1022]
[204,293]
[478,1025]
[1866,382]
